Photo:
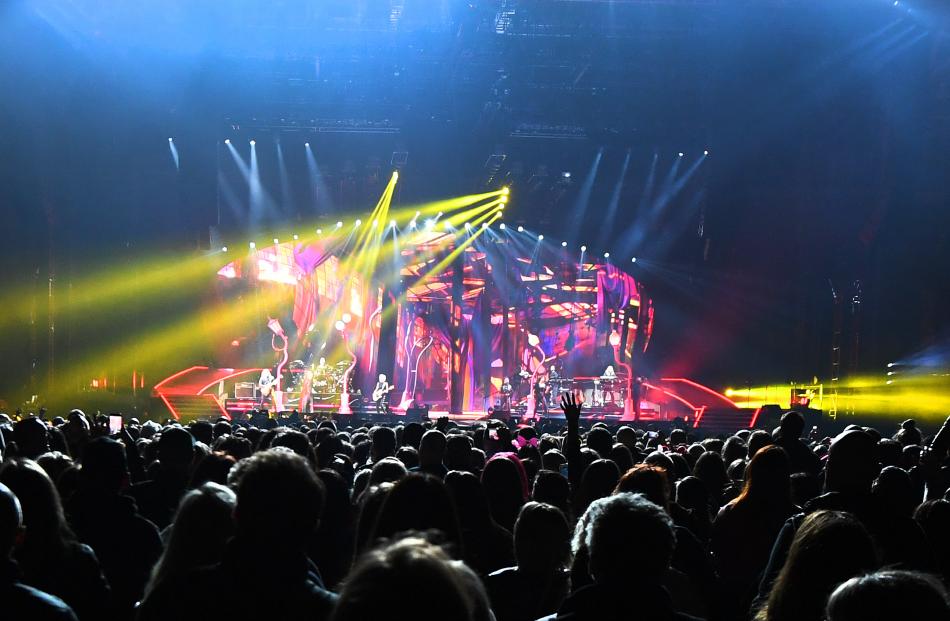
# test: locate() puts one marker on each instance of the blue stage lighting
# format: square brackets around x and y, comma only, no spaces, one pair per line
[502,226]
[606,255]
[633,260]
[540,237]
[227,141]
[583,248]
[253,142]
[681,154]
[564,244]
[521,229]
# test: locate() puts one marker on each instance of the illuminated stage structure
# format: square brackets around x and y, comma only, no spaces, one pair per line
[447,314]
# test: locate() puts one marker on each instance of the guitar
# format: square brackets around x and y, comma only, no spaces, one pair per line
[379,393]
[266,385]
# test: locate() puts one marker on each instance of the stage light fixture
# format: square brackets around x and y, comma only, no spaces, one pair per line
[521,229]
[224,248]
[705,152]
[681,154]
[346,317]
[296,237]
[412,224]
[253,142]
[306,144]
[484,225]
[446,225]
[392,223]
[503,200]
[583,248]
[540,237]
[429,224]
[395,175]
[339,224]
[468,225]
[502,226]
[227,141]
[606,255]
[504,190]
[533,340]
[376,222]
[170,140]
[339,325]
[563,244]
[614,339]
[633,260]
[252,245]
[319,231]
[276,241]
[418,213]
[566,174]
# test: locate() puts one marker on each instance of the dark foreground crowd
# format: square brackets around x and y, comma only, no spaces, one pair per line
[439,521]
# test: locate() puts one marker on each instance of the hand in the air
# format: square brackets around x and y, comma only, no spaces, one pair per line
[571,407]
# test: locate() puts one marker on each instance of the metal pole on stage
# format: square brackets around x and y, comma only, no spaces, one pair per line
[457,382]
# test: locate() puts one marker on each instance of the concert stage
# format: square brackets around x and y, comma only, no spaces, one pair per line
[469,322]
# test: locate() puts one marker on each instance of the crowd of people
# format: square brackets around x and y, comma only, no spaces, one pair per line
[437,520]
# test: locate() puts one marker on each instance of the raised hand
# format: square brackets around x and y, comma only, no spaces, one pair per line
[571,406]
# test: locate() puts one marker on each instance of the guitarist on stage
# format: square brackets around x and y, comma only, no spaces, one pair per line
[265,385]
[381,394]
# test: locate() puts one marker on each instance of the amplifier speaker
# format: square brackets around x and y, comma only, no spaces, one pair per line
[244,390]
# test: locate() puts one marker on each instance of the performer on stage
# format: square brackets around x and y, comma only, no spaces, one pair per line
[540,397]
[506,390]
[306,392]
[381,394]
[265,385]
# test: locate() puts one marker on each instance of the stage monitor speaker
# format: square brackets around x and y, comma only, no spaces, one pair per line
[418,414]
[502,415]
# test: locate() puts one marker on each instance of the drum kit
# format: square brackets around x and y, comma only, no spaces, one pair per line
[327,379]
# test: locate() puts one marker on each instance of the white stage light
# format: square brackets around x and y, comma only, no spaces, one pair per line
[306,144]
[339,224]
[540,237]
[224,248]
[253,142]
[252,245]
[563,244]
[705,152]
[606,255]
[319,231]
[358,222]
[296,237]
[521,229]
[276,241]
[583,248]
[633,260]
[502,226]
[681,154]
[227,141]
